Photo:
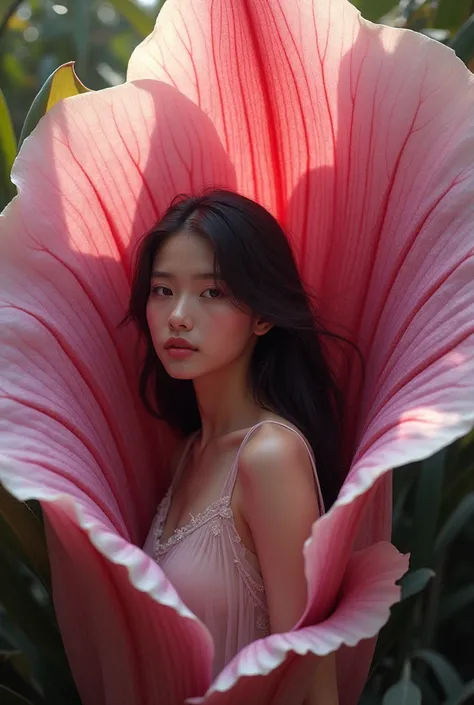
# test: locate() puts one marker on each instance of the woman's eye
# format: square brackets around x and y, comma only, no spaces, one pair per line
[155,290]
[165,291]
[214,293]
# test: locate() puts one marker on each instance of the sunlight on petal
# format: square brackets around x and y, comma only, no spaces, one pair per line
[359,138]
[73,432]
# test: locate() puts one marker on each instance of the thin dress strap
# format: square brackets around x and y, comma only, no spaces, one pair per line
[230,482]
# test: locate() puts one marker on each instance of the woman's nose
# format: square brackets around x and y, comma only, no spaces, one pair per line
[180,315]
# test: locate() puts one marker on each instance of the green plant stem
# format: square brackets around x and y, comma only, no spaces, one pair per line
[432,605]
[8,15]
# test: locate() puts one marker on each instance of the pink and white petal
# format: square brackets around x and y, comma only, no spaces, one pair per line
[278,669]
[134,640]
[357,136]
[128,636]
[418,419]
[327,554]
[93,176]
[324,116]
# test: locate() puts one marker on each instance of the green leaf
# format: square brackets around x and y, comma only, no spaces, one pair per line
[8,9]
[8,697]
[16,673]
[35,621]
[51,682]
[22,531]
[81,31]
[369,699]
[456,522]
[452,15]
[18,661]
[429,493]
[455,602]
[403,480]
[63,83]
[429,694]
[463,41]
[463,697]
[447,676]
[120,46]
[415,581]
[375,9]
[461,483]
[392,633]
[405,692]
[7,153]
[138,18]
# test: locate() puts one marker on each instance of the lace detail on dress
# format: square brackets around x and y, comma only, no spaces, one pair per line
[161,514]
[216,527]
[214,513]
[263,623]
[257,591]
[216,510]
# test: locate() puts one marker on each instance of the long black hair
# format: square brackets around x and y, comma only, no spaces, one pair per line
[289,373]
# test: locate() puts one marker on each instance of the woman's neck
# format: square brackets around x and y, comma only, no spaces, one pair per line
[225,402]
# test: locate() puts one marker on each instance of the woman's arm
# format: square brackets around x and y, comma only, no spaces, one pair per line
[279,504]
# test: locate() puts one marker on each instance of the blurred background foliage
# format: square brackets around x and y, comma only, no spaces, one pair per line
[425,653]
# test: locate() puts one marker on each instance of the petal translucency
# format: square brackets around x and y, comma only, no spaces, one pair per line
[359,138]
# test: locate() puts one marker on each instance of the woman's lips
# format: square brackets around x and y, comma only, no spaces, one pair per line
[179,353]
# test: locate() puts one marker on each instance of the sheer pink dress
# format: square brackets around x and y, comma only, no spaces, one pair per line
[215,575]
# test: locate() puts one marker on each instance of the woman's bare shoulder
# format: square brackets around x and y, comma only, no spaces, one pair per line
[278,435]
[275,448]
[280,424]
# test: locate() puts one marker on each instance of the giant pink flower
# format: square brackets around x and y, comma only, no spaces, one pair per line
[359,138]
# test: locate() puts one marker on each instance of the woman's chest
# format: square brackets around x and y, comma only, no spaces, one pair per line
[211,568]
[205,480]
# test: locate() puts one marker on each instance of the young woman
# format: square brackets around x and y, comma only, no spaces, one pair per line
[234,362]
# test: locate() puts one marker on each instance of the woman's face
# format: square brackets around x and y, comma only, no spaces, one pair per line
[186,302]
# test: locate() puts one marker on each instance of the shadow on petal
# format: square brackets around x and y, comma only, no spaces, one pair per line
[367,162]
[73,432]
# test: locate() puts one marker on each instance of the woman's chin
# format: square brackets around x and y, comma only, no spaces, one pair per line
[179,370]
[181,374]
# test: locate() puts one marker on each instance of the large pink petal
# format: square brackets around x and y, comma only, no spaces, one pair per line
[95,174]
[340,126]
[279,668]
[358,137]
